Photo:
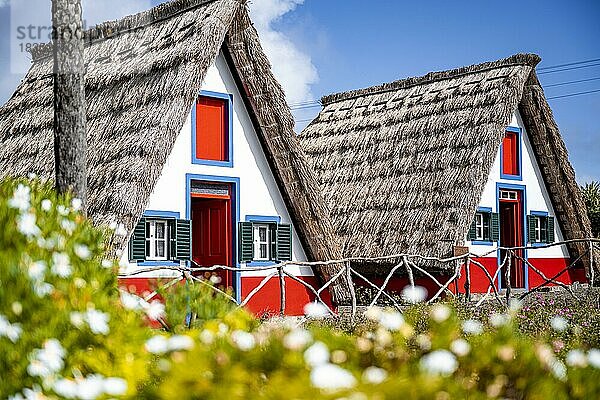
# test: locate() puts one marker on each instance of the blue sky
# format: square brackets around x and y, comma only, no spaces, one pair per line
[322,46]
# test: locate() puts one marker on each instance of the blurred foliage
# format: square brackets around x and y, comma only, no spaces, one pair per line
[65,334]
[591,195]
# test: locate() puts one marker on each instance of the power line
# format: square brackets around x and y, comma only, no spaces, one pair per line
[572,82]
[305,107]
[568,64]
[573,94]
[304,103]
[568,69]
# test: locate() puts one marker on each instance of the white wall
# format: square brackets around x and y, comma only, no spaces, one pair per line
[536,192]
[258,191]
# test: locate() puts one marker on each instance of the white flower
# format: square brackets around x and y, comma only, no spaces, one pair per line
[373,313]
[297,339]
[440,313]
[115,386]
[559,324]
[558,369]
[82,251]
[26,225]
[98,321]
[243,340]
[107,264]
[16,396]
[62,210]
[34,393]
[215,279]
[315,310]
[439,362]
[21,198]
[374,375]
[157,345]
[61,265]
[594,358]
[460,347]
[68,225]
[414,294]
[515,305]
[391,320]
[76,319]
[42,289]
[576,358]
[180,342]
[207,337]
[331,377]
[121,230]
[38,368]
[37,270]
[497,320]
[65,388]
[154,310]
[317,354]
[130,301]
[472,327]
[91,387]
[76,204]
[46,205]
[11,331]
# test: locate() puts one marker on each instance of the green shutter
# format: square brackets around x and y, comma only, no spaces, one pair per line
[137,243]
[182,237]
[246,242]
[284,242]
[495,227]
[550,232]
[531,223]
[472,235]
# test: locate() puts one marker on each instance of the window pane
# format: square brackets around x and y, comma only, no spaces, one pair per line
[262,232]
[160,230]
[160,249]
[263,251]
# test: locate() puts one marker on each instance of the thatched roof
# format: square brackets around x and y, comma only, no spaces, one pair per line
[143,74]
[403,165]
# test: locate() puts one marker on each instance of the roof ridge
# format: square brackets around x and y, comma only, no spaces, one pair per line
[109,29]
[517,59]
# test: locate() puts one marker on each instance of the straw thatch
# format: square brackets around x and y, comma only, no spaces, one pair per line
[403,165]
[143,74]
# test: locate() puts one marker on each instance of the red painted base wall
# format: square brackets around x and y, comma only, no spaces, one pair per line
[548,266]
[265,302]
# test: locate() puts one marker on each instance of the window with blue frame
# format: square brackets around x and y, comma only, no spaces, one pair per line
[264,240]
[511,154]
[485,228]
[212,129]
[161,237]
[540,228]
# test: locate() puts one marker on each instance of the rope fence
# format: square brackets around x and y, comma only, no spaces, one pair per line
[407,263]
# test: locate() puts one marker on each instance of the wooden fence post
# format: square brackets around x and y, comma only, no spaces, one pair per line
[468,279]
[281,291]
[352,291]
[507,276]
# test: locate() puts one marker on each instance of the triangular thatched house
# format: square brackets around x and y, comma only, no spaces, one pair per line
[466,157]
[188,130]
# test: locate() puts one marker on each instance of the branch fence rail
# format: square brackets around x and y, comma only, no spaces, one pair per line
[409,262]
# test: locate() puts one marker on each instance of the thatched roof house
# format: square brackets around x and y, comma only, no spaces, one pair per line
[143,74]
[403,165]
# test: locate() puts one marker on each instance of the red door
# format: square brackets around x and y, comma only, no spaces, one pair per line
[511,235]
[211,235]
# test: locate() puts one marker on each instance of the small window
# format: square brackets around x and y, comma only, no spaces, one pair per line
[212,129]
[161,239]
[541,228]
[262,242]
[157,238]
[485,227]
[508,195]
[510,154]
[265,241]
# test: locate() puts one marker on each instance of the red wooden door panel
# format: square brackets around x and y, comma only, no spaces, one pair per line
[211,235]
[511,235]
[211,129]
[510,154]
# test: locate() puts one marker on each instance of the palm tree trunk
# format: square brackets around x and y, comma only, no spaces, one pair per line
[69,99]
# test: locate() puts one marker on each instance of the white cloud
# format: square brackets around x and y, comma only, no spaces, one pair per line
[293,68]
